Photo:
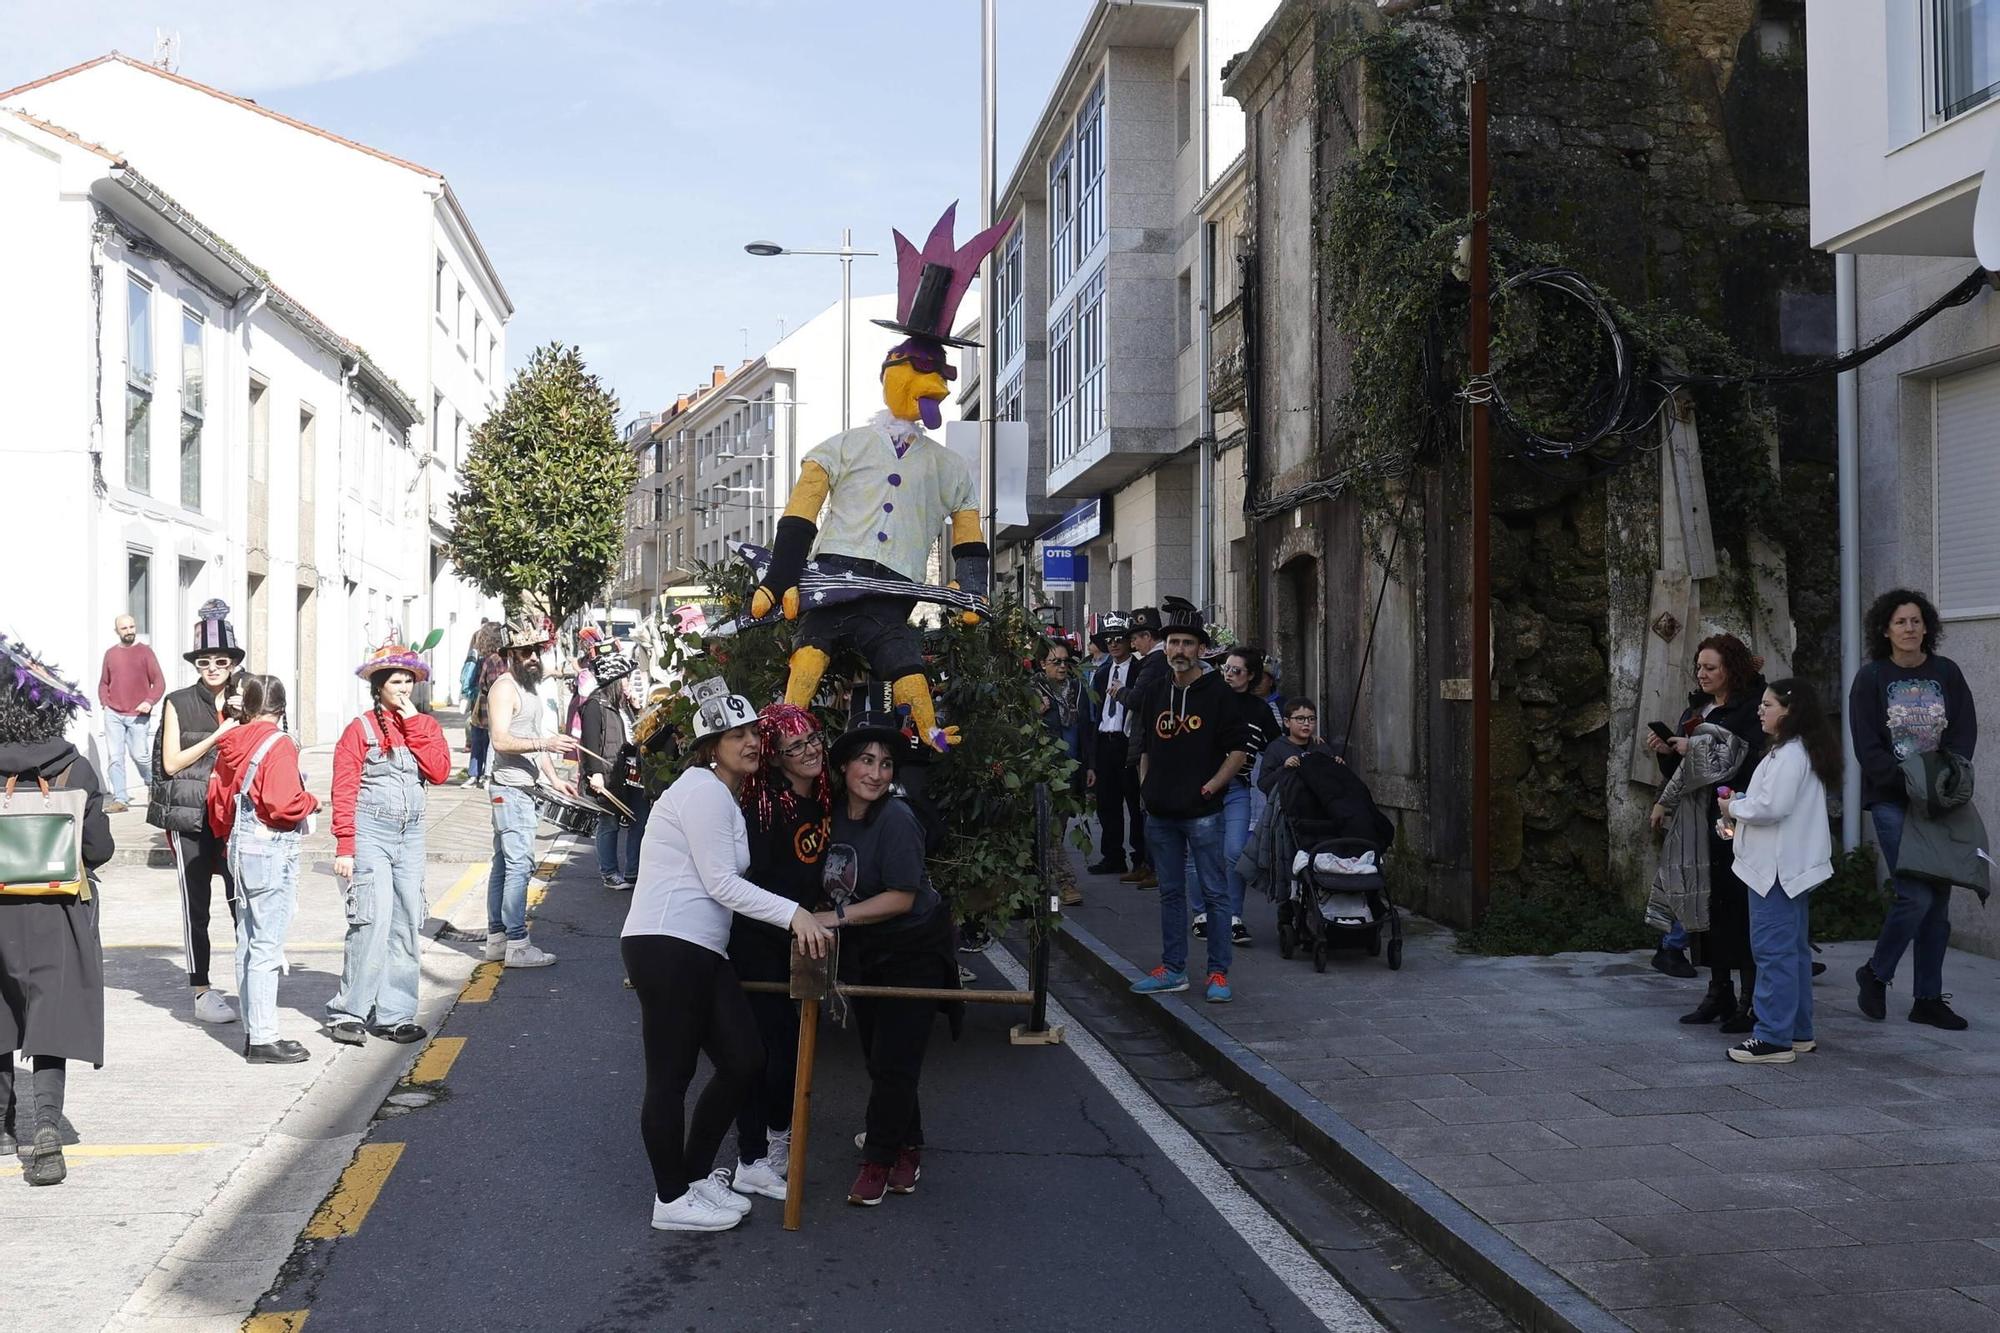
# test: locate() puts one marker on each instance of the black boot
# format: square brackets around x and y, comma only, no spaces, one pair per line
[1719,1002]
[1746,1015]
[1672,962]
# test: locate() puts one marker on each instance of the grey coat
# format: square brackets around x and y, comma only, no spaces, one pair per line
[1681,884]
[1944,839]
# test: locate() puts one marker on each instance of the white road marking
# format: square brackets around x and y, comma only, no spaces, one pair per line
[1303,1275]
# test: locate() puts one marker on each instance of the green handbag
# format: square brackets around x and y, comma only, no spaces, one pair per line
[41,841]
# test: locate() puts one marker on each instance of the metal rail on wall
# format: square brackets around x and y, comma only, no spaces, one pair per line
[813,981]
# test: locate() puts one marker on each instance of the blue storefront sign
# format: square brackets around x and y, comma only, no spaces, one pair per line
[1063,567]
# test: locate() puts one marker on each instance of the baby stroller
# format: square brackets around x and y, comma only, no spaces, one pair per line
[1332,893]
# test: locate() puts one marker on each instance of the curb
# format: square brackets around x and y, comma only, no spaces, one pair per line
[1524,1288]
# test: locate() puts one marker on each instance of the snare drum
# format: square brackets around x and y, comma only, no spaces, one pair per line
[568,815]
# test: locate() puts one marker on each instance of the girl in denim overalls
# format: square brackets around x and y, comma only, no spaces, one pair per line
[384,760]
[258,804]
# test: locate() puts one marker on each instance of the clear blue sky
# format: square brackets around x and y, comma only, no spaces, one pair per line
[615,155]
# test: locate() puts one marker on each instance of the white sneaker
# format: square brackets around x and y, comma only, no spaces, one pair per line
[715,1187]
[758,1178]
[779,1156]
[523,953]
[693,1211]
[496,946]
[212,1006]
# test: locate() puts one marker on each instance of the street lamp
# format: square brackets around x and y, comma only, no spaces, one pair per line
[846,255]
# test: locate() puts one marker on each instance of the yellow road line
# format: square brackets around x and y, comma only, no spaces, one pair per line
[359,1186]
[127,1150]
[547,869]
[290,1321]
[536,894]
[473,874]
[479,987]
[436,1061]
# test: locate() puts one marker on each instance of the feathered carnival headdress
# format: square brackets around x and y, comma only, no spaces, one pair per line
[36,683]
[768,795]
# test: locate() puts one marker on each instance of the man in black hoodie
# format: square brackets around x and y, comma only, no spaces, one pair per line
[1193,741]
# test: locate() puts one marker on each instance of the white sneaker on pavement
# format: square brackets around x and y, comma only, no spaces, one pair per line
[496,946]
[758,1178]
[715,1186]
[693,1211]
[523,953]
[212,1006]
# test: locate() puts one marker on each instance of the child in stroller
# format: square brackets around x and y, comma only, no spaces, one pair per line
[1318,852]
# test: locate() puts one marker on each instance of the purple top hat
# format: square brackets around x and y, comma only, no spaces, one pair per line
[214,634]
[932,281]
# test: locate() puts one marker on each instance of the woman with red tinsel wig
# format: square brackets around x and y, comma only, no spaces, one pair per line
[786,804]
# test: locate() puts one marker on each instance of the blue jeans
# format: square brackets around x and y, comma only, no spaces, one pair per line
[385,912]
[1170,843]
[1236,810]
[266,867]
[1780,941]
[128,733]
[608,830]
[475,751]
[514,821]
[1920,914]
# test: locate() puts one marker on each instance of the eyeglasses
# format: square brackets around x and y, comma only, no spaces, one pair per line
[1307,718]
[1058,661]
[203,663]
[803,746]
[1232,670]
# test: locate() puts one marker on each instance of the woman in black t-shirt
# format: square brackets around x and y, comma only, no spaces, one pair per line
[894,931]
[785,805]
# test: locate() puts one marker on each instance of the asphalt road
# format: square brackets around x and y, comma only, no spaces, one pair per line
[521,1195]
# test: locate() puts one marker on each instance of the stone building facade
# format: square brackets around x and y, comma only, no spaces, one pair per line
[1659,146]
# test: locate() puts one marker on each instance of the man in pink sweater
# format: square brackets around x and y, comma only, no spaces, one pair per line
[129,686]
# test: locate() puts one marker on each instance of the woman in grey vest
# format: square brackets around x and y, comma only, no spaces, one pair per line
[191,726]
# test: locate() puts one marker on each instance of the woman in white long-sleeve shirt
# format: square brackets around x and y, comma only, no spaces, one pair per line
[675,945]
[1784,849]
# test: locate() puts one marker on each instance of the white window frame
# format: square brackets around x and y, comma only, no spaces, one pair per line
[1090,149]
[1061,204]
[194,404]
[1091,418]
[1943,486]
[1935,112]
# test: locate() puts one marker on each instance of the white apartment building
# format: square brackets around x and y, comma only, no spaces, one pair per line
[1101,298]
[181,428]
[1904,115]
[379,246]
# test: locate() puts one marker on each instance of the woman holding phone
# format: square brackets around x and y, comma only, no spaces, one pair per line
[1720,731]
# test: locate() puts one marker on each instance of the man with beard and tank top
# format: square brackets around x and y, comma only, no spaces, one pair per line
[524,735]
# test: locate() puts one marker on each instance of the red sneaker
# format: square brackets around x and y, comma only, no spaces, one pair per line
[909,1168]
[870,1185]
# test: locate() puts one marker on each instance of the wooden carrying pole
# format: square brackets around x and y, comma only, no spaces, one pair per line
[808,986]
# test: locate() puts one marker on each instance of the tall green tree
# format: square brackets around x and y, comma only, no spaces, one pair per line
[540,515]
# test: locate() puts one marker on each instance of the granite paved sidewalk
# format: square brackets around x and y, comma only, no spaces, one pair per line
[1560,1101]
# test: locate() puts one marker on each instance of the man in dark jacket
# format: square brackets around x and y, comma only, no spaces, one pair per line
[1118,808]
[1193,743]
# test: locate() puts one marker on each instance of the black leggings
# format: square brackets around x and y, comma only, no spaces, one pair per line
[769,1105]
[50,1077]
[199,858]
[689,1004]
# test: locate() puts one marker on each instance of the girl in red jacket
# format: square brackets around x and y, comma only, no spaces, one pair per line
[259,806]
[383,762]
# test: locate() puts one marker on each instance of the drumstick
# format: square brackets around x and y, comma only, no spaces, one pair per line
[616,804]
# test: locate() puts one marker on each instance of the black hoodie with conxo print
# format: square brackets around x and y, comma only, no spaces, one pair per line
[1185,732]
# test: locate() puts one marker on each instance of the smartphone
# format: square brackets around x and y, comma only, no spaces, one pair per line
[1662,730]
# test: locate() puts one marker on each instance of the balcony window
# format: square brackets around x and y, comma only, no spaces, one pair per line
[1090,360]
[1062,389]
[1062,218]
[192,408]
[1090,173]
[1963,41]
